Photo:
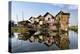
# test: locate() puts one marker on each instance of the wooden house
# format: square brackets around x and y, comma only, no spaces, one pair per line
[63,20]
[50,20]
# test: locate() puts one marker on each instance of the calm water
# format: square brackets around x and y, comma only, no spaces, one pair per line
[24,46]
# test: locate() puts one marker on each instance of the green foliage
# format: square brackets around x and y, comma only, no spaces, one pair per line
[19,29]
[74,28]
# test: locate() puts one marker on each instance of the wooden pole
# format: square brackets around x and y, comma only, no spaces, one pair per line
[17,19]
[22,15]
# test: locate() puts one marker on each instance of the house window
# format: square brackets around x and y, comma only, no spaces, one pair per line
[48,19]
[47,24]
[41,22]
[53,24]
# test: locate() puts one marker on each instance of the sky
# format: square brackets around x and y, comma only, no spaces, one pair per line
[20,10]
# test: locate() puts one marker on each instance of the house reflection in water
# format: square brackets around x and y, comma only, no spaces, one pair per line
[62,42]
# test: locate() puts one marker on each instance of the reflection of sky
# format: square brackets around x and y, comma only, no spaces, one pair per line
[35,9]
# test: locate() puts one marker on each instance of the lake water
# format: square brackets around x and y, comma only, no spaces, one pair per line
[26,46]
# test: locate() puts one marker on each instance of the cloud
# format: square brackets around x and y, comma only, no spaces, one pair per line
[68,6]
[73,7]
[59,5]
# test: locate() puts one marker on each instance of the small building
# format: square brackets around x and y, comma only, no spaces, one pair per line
[48,17]
[63,20]
[33,19]
[50,20]
[23,23]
